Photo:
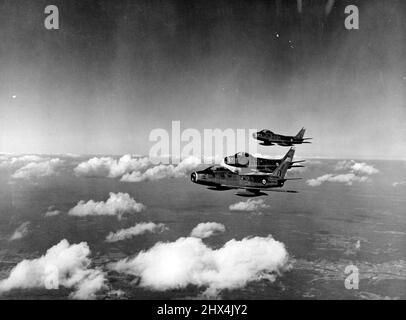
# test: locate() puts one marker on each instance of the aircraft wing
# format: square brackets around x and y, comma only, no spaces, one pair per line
[254,189]
[257,191]
[278,140]
[265,174]
[255,173]
[282,190]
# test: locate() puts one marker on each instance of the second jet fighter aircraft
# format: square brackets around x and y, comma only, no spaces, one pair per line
[220,178]
[268,138]
[245,161]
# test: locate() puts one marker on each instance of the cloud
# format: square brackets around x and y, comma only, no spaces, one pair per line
[399,183]
[358,172]
[38,169]
[7,160]
[136,230]
[116,205]
[163,171]
[249,205]
[63,265]
[356,167]
[111,168]
[131,169]
[52,213]
[188,261]
[72,155]
[364,168]
[297,170]
[21,231]
[207,229]
[347,178]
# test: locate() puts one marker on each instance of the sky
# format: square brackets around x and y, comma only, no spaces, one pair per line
[115,70]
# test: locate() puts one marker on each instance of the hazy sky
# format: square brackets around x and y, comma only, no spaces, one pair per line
[118,69]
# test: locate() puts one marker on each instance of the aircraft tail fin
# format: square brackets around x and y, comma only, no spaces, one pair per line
[300,134]
[281,170]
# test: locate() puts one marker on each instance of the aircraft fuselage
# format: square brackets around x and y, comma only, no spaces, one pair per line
[223,178]
[270,139]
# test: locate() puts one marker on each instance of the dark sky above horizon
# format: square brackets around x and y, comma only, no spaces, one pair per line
[118,69]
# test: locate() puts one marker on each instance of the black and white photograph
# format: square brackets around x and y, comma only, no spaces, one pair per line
[177,150]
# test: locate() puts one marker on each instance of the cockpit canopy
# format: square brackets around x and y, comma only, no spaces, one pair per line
[266,131]
[242,154]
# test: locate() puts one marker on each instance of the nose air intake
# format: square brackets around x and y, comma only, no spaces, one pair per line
[193,177]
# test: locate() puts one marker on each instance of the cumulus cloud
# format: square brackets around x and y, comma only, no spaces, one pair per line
[38,169]
[8,160]
[111,168]
[348,178]
[116,205]
[249,205]
[21,231]
[63,265]
[188,261]
[358,172]
[52,213]
[207,229]
[163,171]
[136,230]
[399,183]
[363,168]
[356,167]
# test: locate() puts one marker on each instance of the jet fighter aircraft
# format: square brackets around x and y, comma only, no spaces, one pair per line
[220,178]
[244,160]
[269,138]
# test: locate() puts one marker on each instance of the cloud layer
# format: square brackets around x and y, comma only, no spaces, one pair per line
[348,178]
[207,229]
[134,169]
[188,261]
[116,205]
[63,265]
[38,169]
[111,168]
[358,172]
[249,205]
[163,171]
[8,160]
[136,230]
